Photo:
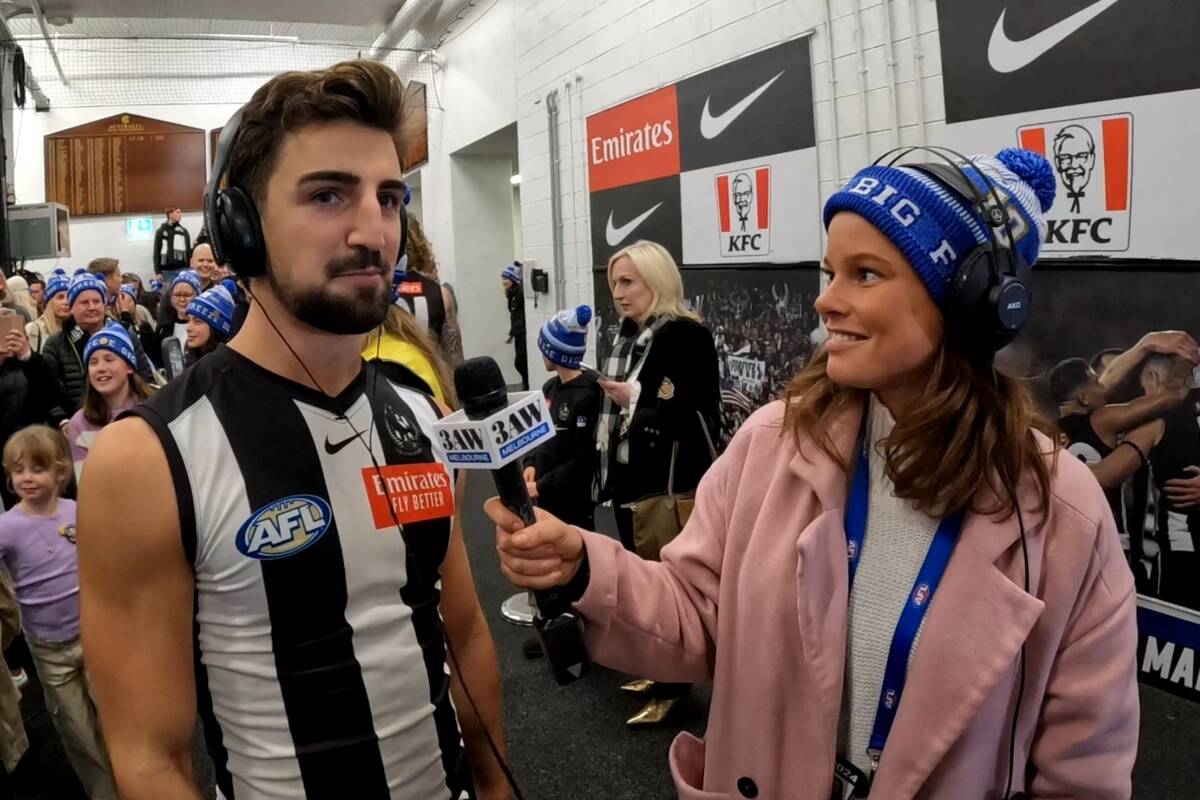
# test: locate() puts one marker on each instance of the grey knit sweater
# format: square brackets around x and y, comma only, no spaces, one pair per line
[898,537]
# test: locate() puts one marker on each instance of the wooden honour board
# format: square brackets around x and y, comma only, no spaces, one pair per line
[125,164]
[415,126]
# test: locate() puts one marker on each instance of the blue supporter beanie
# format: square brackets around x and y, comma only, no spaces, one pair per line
[188,276]
[114,338]
[934,227]
[215,307]
[84,281]
[563,340]
[57,281]
[512,272]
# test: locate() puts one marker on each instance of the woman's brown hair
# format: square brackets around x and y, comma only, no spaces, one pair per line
[969,427]
[420,252]
[45,448]
[403,324]
[95,407]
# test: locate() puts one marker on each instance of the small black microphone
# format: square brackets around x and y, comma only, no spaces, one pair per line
[482,392]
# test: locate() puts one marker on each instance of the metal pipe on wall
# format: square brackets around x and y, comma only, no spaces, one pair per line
[860,43]
[833,112]
[918,57]
[556,215]
[893,80]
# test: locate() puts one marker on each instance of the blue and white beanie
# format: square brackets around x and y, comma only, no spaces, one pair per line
[230,286]
[215,306]
[57,281]
[156,285]
[188,276]
[934,227]
[512,272]
[114,338]
[131,290]
[84,281]
[563,340]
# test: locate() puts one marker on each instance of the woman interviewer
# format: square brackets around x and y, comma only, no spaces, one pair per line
[1002,645]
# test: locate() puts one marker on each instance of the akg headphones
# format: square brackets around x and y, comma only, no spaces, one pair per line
[988,303]
[232,218]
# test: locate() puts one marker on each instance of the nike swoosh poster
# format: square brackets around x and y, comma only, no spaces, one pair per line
[704,132]
[655,203]
[1009,56]
[726,101]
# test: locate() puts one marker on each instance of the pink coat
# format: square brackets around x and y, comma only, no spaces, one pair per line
[752,596]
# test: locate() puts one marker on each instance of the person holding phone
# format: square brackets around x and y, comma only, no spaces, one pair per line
[29,392]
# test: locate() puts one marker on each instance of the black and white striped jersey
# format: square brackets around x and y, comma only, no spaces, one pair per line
[320,659]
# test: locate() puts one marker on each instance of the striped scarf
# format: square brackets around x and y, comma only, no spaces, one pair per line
[624,363]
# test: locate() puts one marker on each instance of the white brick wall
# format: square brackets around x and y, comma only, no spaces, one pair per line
[623,48]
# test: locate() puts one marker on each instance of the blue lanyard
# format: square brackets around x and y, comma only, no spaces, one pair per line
[919,599]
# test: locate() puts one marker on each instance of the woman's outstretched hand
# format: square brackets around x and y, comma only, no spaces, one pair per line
[541,556]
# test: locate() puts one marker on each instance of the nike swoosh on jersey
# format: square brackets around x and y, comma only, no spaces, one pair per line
[711,127]
[1005,55]
[614,236]
[333,448]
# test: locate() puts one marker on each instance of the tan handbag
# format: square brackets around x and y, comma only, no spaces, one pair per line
[659,518]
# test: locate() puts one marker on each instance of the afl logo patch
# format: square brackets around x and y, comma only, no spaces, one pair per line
[920,595]
[851,549]
[284,527]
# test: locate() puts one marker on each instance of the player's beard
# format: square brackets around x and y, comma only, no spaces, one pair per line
[319,307]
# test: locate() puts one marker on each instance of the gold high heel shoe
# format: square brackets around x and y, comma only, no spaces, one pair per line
[640,686]
[654,712]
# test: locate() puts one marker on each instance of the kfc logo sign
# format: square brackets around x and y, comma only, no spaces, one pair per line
[744,212]
[1093,160]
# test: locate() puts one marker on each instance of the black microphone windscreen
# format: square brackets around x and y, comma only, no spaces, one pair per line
[480,385]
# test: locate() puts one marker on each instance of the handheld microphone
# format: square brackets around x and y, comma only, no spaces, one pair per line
[483,394]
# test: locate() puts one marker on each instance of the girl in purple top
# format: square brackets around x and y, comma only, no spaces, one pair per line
[37,546]
[113,386]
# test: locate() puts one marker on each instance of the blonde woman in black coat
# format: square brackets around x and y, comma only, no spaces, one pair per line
[662,397]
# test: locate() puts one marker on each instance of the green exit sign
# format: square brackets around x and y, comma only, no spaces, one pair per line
[138,227]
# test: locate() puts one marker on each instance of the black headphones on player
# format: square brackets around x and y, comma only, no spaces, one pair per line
[989,295]
[232,218]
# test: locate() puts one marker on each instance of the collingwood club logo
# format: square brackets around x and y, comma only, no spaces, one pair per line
[744,212]
[403,434]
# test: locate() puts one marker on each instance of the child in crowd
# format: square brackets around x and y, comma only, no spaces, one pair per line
[564,467]
[210,323]
[113,386]
[37,546]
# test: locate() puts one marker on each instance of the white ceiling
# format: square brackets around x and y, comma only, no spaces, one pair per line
[310,21]
[356,13]
[145,52]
